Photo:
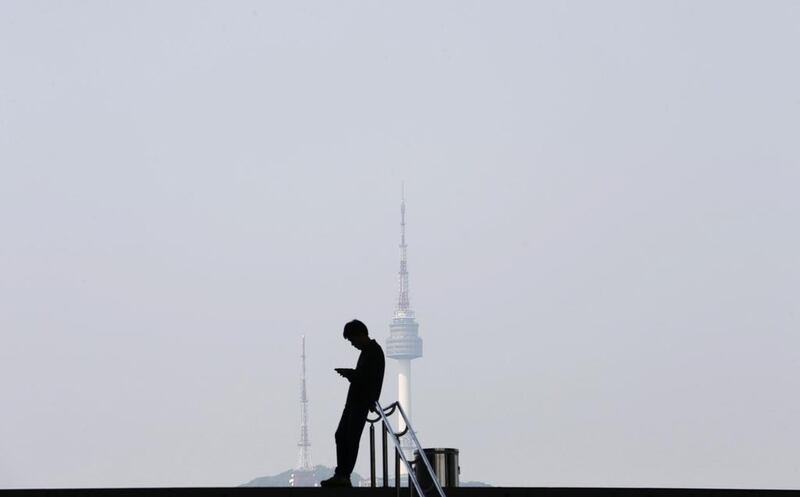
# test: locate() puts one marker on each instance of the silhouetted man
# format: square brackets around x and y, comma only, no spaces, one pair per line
[365,388]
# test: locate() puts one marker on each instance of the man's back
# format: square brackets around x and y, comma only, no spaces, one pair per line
[365,387]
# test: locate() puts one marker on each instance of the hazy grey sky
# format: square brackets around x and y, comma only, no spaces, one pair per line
[602,224]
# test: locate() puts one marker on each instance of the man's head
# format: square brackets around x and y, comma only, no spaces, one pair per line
[356,333]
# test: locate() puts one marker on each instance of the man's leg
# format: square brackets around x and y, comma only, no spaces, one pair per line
[348,436]
[339,478]
[341,444]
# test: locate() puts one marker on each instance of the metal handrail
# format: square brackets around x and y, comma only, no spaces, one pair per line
[399,454]
[421,453]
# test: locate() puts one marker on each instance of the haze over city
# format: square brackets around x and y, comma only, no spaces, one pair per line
[602,236]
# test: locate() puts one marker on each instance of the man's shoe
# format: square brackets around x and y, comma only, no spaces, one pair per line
[336,481]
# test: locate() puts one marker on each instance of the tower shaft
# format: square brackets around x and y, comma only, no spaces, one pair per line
[404,389]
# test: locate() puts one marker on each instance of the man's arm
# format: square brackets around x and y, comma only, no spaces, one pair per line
[348,373]
[362,371]
[369,376]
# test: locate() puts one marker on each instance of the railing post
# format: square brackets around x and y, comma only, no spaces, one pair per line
[385,458]
[372,454]
[397,469]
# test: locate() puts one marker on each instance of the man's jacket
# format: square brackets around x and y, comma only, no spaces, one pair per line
[366,383]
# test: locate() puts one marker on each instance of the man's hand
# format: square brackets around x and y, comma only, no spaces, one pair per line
[346,372]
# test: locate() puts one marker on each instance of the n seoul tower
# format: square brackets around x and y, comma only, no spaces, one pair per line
[404,343]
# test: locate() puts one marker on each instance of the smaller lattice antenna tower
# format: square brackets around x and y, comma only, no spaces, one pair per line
[304,444]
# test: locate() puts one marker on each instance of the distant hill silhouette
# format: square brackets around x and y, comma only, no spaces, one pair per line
[282,479]
[475,484]
[322,473]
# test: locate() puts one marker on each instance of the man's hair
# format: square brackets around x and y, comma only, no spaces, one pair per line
[355,327]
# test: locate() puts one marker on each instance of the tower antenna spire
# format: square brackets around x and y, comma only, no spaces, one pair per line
[403,302]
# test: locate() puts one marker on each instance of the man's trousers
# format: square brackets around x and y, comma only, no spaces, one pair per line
[348,436]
